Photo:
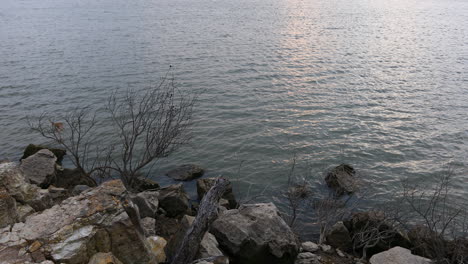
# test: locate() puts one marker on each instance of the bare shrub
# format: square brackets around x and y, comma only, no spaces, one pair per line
[148,124]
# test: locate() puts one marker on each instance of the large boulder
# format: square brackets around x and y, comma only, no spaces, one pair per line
[73,231]
[341,179]
[174,200]
[186,172]
[31,149]
[39,168]
[205,184]
[398,255]
[255,233]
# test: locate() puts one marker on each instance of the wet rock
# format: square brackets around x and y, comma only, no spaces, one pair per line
[398,255]
[339,237]
[309,247]
[8,209]
[255,233]
[147,203]
[104,258]
[69,178]
[342,179]
[326,248]
[204,185]
[142,184]
[186,172]
[39,168]
[31,149]
[174,200]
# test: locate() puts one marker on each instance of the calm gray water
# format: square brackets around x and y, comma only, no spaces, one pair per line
[380,84]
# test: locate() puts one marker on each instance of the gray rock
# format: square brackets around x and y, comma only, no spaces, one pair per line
[174,200]
[15,184]
[147,203]
[39,168]
[307,258]
[325,248]
[338,237]
[186,172]
[32,149]
[398,255]
[204,185]
[342,179]
[24,211]
[309,246]
[8,209]
[255,233]
[149,225]
[79,189]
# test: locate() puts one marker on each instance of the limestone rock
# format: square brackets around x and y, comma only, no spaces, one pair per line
[255,233]
[157,245]
[39,168]
[104,258]
[147,203]
[339,237]
[307,258]
[174,200]
[31,149]
[149,225]
[204,185]
[309,246]
[342,179]
[73,231]
[186,172]
[15,184]
[8,209]
[24,211]
[398,255]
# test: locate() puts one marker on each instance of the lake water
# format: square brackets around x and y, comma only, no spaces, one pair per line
[379,84]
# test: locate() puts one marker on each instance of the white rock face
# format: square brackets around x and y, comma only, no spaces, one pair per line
[398,255]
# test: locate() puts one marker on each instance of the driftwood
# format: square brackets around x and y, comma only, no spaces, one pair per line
[207,213]
[133,213]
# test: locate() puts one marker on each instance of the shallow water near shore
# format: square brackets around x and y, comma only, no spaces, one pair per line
[381,85]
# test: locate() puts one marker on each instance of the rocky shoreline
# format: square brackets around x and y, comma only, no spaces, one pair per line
[53,215]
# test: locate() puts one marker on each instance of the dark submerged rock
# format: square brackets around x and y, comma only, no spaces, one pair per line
[31,149]
[341,179]
[186,172]
[141,184]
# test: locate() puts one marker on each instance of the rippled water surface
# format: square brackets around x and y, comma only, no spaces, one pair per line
[380,84]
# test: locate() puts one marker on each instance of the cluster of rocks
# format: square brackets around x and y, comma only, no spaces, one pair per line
[49,215]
